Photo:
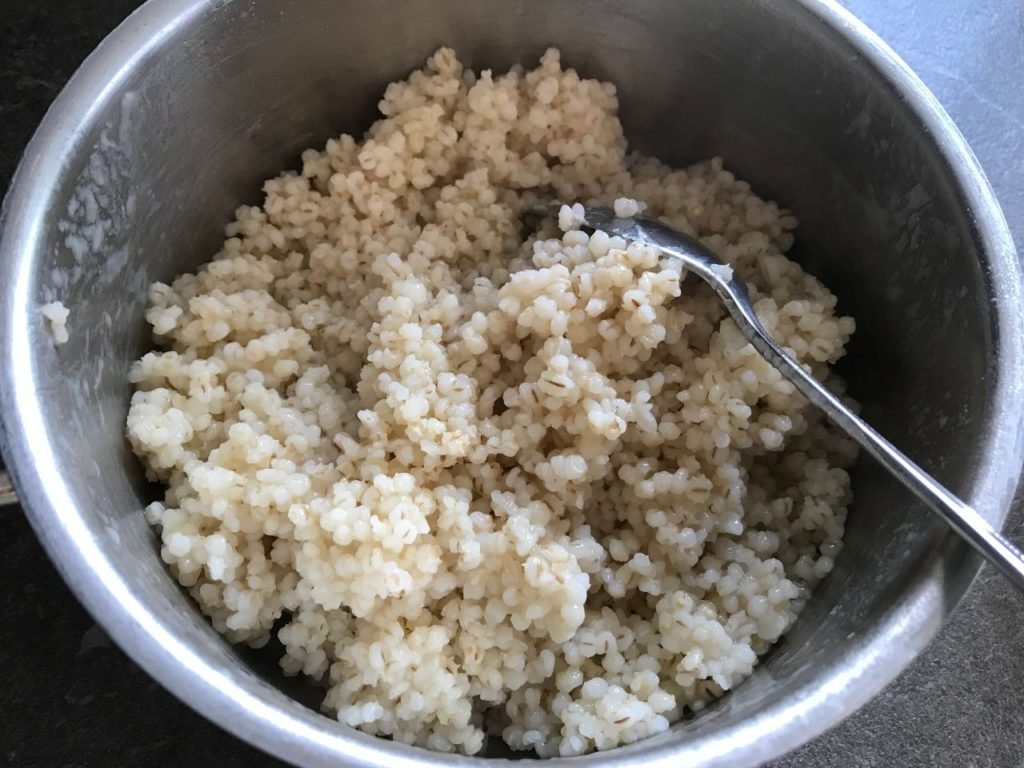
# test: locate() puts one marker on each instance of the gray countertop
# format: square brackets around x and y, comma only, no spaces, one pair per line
[71,699]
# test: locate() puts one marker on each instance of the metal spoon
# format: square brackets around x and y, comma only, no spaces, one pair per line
[712,270]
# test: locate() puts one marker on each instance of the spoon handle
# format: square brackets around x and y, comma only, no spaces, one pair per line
[965,521]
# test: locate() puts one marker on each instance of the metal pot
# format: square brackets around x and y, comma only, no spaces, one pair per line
[179,115]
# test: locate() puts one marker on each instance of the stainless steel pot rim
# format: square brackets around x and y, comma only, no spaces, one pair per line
[255,711]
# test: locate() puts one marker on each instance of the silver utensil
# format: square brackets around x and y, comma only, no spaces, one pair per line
[699,260]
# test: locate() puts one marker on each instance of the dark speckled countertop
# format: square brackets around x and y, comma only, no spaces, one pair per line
[70,699]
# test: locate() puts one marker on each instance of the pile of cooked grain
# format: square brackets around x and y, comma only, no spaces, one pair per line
[475,486]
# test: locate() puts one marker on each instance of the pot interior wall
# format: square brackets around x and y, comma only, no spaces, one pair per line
[175,148]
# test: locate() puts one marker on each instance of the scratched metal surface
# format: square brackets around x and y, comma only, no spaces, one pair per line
[70,699]
[961,704]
